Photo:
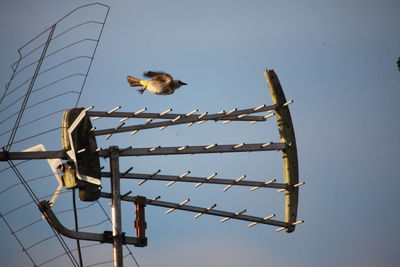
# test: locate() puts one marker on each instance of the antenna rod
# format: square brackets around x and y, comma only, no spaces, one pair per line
[116,207]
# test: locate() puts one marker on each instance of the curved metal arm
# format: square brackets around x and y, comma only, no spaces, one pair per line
[106,237]
[289,155]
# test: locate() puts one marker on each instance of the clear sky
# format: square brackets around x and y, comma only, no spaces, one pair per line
[335,59]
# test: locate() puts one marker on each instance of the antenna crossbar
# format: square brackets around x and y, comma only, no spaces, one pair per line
[150,151]
[170,116]
[195,209]
[191,179]
[176,119]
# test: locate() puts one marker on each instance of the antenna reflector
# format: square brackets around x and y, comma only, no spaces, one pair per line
[182,148]
[176,118]
[202,115]
[140,111]
[298,222]
[113,110]
[150,176]
[191,112]
[210,146]
[165,112]
[236,181]
[264,219]
[239,145]
[236,214]
[207,179]
[205,211]
[299,184]
[288,103]
[268,182]
[267,144]
[179,177]
[88,108]
[179,205]
[259,107]
[127,171]
[269,115]
[230,112]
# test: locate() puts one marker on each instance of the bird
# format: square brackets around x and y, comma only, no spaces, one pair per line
[161,83]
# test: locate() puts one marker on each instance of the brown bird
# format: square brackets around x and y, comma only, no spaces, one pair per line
[161,83]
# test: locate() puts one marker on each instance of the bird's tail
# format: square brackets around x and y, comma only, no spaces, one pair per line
[135,82]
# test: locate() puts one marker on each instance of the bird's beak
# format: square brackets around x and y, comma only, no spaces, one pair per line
[183,83]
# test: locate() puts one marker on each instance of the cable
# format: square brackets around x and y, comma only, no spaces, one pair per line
[78,242]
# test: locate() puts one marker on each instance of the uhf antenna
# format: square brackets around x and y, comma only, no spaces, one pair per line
[81,165]
[51,71]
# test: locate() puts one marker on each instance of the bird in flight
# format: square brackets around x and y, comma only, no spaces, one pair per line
[161,83]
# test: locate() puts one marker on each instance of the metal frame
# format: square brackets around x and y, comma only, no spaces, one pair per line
[289,155]
[105,237]
[287,146]
[17,68]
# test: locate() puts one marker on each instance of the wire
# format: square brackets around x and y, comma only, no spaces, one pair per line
[36,200]
[40,241]
[38,103]
[28,181]
[58,256]
[81,208]
[36,135]
[55,52]
[44,71]
[92,225]
[78,242]
[30,202]
[94,53]
[19,163]
[49,34]
[19,241]
[35,120]
[41,220]
[104,262]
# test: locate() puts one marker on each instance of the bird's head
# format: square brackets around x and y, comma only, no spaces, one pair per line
[177,83]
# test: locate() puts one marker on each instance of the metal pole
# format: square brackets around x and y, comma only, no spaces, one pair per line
[116,206]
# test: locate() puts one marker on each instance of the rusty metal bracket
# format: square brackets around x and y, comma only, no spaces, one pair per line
[103,238]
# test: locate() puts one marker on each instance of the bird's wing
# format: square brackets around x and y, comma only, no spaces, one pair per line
[158,76]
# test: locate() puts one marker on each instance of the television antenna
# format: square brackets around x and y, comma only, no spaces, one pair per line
[82,169]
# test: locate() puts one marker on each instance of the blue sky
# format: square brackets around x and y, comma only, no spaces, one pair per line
[335,59]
